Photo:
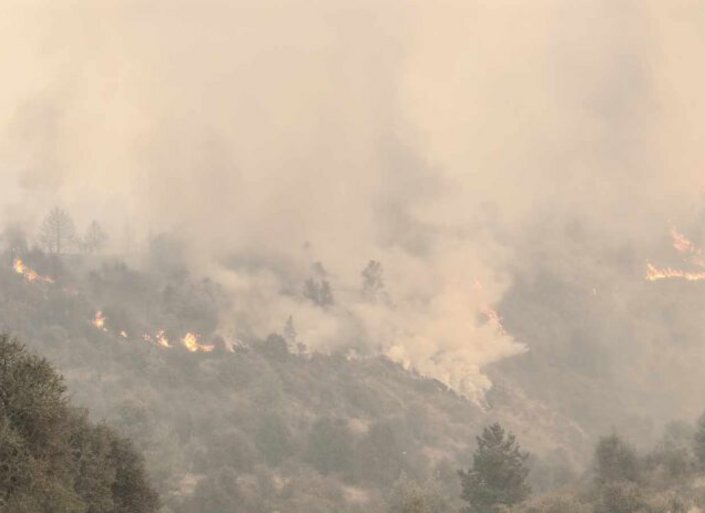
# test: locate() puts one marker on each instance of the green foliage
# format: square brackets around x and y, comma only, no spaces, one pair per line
[673,458]
[273,439]
[615,461]
[499,472]
[52,460]
[329,448]
[409,496]
[619,497]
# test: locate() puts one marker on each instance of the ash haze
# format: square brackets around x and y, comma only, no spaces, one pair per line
[513,165]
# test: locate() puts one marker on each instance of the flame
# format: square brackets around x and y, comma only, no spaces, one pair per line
[654,273]
[681,243]
[490,313]
[191,343]
[162,339]
[494,318]
[684,246]
[28,273]
[99,321]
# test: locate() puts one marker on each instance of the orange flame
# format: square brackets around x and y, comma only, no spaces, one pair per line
[99,321]
[490,313]
[494,318]
[162,339]
[28,273]
[191,343]
[654,273]
[681,243]
[684,246]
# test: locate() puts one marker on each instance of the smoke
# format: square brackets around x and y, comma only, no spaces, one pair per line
[427,136]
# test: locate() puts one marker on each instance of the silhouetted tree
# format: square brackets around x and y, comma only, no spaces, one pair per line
[317,288]
[372,280]
[57,231]
[94,239]
[615,460]
[498,474]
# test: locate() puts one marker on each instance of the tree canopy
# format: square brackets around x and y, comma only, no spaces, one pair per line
[52,459]
[499,472]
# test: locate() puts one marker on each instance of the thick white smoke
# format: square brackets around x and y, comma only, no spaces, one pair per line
[418,134]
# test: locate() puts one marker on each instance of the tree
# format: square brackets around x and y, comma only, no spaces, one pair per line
[317,288]
[498,474]
[372,280]
[52,459]
[94,239]
[57,231]
[615,461]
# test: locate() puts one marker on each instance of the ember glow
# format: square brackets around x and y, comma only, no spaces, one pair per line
[99,321]
[28,273]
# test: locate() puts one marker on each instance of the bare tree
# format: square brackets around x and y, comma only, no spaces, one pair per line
[57,231]
[94,239]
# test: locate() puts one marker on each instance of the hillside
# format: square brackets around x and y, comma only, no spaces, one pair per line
[52,458]
[313,432]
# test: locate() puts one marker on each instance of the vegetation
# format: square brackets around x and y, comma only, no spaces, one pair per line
[52,459]
[499,472]
[261,425]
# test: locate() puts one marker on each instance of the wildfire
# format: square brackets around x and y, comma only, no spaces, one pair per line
[191,343]
[28,273]
[654,273]
[494,318]
[99,321]
[683,246]
[490,313]
[681,243]
[162,339]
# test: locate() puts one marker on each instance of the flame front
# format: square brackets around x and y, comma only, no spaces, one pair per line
[28,273]
[191,344]
[654,273]
[683,246]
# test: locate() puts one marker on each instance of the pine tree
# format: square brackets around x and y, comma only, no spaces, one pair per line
[57,231]
[498,474]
